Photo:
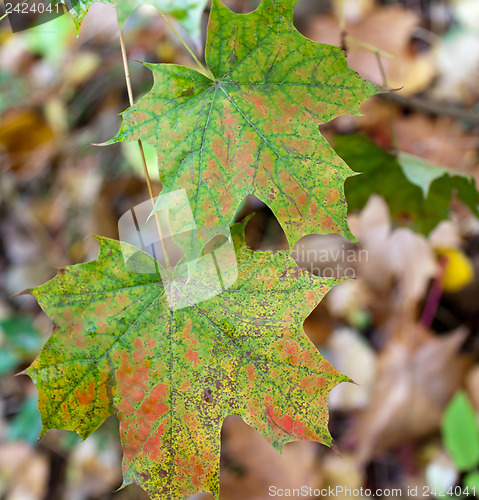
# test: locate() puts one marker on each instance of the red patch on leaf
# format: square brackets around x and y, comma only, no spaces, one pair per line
[193,357]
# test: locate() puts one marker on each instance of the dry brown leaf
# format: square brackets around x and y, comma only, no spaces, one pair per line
[417,375]
[342,471]
[250,465]
[472,385]
[389,29]
[93,468]
[26,142]
[319,324]
[352,355]
[23,472]
[446,234]
[441,141]
[413,263]
[400,257]
[328,255]
[372,228]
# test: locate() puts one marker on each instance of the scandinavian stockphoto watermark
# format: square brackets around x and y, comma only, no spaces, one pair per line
[194,263]
[161,237]
[338,262]
[26,14]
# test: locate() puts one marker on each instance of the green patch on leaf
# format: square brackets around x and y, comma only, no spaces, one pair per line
[253,128]
[172,376]
[418,193]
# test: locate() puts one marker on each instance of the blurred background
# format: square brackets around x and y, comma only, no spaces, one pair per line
[406,329]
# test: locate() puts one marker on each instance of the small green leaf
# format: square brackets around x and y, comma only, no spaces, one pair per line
[8,362]
[460,432]
[422,173]
[20,341]
[27,424]
[471,481]
[253,128]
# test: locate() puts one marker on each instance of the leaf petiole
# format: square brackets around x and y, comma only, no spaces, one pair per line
[192,54]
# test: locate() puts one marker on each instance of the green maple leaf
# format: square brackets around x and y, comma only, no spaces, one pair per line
[460,432]
[417,192]
[173,376]
[253,129]
[187,12]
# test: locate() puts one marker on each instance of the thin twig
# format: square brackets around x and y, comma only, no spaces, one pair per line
[366,46]
[126,68]
[140,145]
[342,15]
[436,108]
[346,40]
[392,123]
[192,54]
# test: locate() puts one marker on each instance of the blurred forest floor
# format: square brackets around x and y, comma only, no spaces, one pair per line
[59,94]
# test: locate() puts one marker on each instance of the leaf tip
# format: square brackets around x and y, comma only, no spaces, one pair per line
[335,448]
[44,430]
[28,291]
[122,486]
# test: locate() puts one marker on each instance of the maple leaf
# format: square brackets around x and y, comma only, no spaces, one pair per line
[187,12]
[416,191]
[254,128]
[172,376]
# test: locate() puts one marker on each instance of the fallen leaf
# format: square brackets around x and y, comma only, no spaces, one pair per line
[417,375]
[388,29]
[93,468]
[26,142]
[342,472]
[24,472]
[440,141]
[351,353]
[250,466]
